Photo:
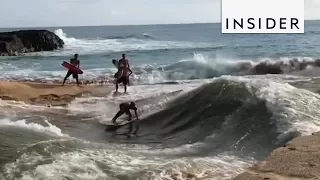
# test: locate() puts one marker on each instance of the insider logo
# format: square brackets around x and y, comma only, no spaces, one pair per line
[262,16]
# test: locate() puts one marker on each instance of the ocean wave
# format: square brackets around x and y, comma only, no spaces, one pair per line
[234,114]
[203,67]
[218,124]
[118,44]
[198,66]
[132,36]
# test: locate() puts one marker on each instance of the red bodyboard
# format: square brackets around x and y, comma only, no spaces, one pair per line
[72,68]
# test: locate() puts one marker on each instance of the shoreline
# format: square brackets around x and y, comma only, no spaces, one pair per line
[48,94]
[298,159]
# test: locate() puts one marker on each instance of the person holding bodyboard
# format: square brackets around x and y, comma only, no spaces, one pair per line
[124,71]
[76,62]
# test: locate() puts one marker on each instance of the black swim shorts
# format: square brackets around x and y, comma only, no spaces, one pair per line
[74,75]
[123,80]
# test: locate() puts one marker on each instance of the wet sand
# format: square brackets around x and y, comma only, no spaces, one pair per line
[48,94]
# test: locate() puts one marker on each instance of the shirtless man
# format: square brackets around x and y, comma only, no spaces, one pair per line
[125,108]
[74,61]
[123,62]
[123,79]
[124,69]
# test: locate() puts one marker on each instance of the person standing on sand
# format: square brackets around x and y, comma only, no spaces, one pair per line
[76,62]
[125,72]
[124,78]
[124,63]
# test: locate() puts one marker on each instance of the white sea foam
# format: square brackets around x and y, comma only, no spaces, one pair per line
[293,109]
[197,66]
[90,46]
[50,129]
[116,162]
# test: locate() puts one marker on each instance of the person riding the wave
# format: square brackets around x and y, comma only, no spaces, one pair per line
[123,73]
[125,108]
[76,62]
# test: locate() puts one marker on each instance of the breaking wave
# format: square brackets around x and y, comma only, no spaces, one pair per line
[120,43]
[234,114]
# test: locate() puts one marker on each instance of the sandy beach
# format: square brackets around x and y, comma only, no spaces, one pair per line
[47,94]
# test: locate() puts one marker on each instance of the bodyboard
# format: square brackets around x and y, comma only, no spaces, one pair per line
[118,74]
[115,63]
[111,126]
[72,68]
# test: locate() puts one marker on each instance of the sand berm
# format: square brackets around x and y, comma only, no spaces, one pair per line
[299,159]
[47,94]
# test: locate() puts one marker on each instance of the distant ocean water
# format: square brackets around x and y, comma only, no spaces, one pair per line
[161,52]
[205,114]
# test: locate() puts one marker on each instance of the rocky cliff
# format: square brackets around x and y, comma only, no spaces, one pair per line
[26,41]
